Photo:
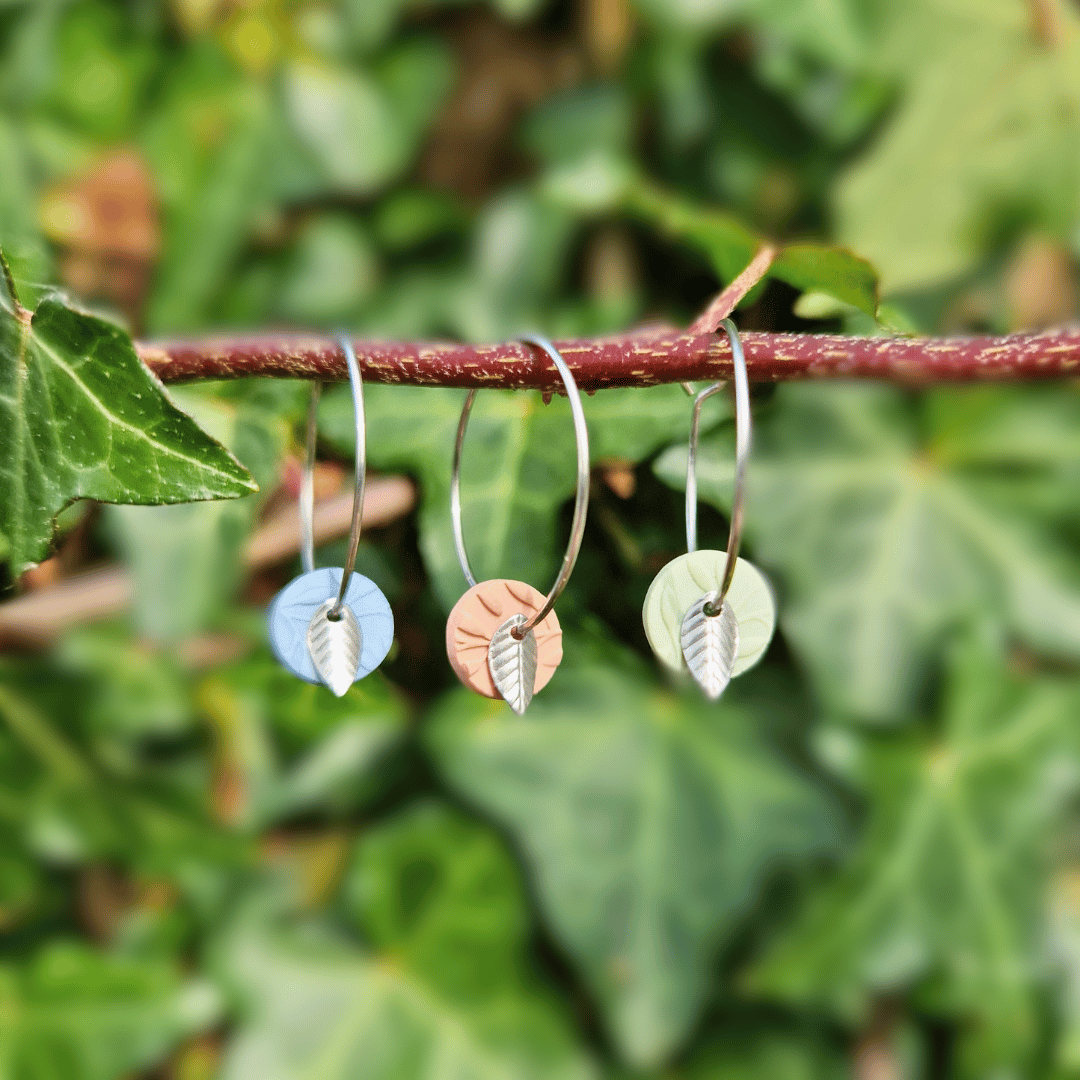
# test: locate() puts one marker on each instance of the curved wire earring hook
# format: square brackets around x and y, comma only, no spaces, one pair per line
[581,496]
[307,480]
[742,453]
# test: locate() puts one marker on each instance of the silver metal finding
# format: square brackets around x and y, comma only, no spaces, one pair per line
[307,481]
[742,453]
[581,496]
[307,484]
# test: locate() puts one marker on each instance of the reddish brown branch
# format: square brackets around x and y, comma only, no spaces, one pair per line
[724,304]
[643,358]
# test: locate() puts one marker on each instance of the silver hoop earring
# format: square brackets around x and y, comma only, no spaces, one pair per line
[331,625]
[711,612]
[502,637]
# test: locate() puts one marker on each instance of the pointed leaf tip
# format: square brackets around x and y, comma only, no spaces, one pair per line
[335,646]
[95,424]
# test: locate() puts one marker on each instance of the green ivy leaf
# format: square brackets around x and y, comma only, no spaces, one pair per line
[989,113]
[130,693]
[889,520]
[604,181]
[730,247]
[330,750]
[754,1051]
[83,1015]
[69,805]
[945,891]
[831,270]
[186,560]
[80,417]
[447,994]
[650,822]
[518,465]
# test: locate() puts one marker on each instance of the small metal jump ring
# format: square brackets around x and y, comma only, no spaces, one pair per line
[742,453]
[307,481]
[581,496]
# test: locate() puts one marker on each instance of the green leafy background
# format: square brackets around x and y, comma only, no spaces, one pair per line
[861,863]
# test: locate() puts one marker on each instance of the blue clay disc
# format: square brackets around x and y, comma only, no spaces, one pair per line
[291,610]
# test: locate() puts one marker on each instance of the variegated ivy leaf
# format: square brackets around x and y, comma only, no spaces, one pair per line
[81,418]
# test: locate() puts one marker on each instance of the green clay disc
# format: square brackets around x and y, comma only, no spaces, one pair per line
[684,581]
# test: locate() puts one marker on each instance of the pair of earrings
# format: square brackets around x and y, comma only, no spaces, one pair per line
[708,612]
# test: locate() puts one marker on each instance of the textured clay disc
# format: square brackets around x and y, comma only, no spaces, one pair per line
[684,581]
[289,617]
[476,617]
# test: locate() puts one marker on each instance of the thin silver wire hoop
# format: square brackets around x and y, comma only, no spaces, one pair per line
[307,480]
[581,495]
[742,453]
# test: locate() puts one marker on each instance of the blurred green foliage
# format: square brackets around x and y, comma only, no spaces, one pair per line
[863,858]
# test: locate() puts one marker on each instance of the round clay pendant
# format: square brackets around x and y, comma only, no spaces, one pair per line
[479,615]
[290,615]
[684,581]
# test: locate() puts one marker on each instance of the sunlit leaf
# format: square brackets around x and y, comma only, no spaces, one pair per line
[80,417]
[989,113]
[604,181]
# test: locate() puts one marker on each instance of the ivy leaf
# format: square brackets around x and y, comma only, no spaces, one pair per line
[72,793]
[888,520]
[77,1013]
[730,247]
[332,748]
[946,890]
[649,821]
[990,113]
[518,465]
[186,560]
[80,417]
[447,993]
[602,181]
[752,1051]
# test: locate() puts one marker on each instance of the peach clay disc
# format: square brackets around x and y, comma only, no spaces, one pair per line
[476,617]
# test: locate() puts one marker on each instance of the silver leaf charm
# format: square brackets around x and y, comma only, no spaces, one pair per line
[512,663]
[334,645]
[709,645]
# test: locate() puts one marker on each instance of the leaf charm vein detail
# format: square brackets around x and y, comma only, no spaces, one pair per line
[335,647]
[512,663]
[709,645]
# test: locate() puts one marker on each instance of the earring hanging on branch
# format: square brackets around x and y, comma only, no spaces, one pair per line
[331,625]
[502,637]
[711,612]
